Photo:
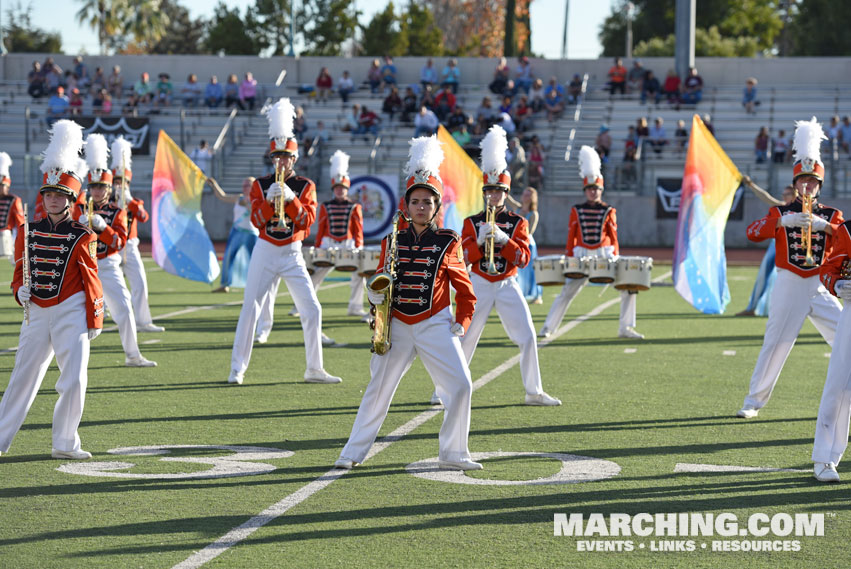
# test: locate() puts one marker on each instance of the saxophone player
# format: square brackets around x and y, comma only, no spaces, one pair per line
[797,293]
[430,260]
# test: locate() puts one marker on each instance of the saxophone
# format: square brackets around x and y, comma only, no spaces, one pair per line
[383,282]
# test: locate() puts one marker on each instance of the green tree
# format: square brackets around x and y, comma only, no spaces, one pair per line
[386,34]
[228,32]
[20,36]
[424,37]
[707,43]
[330,24]
[269,25]
[821,28]
[183,35]
[103,16]
[116,21]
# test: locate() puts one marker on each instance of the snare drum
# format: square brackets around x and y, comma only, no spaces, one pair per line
[7,244]
[549,270]
[348,260]
[307,253]
[576,267]
[602,270]
[368,260]
[633,273]
[324,257]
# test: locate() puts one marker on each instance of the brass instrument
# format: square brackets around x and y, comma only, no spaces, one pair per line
[383,282]
[280,203]
[90,210]
[123,205]
[26,262]
[490,219]
[807,207]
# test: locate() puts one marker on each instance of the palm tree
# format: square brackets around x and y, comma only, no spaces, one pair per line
[142,18]
[102,15]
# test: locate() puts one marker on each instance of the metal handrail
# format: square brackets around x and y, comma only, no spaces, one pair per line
[220,140]
[577,114]
[373,154]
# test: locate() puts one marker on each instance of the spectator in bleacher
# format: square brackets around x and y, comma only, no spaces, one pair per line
[191,91]
[35,82]
[553,85]
[780,147]
[635,77]
[507,123]
[82,73]
[351,123]
[535,162]
[603,143]
[845,134]
[681,136]
[516,158]
[102,102]
[461,135]
[574,90]
[428,74]
[163,91]
[457,119]
[248,90]
[373,76]
[143,88]
[427,99]
[345,86]
[52,75]
[658,138]
[98,81]
[707,121]
[500,77]
[75,102]
[537,95]
[671,87]
[425,123]
[523,74]
[484,116]
[324,85]
[641,129]
[232,92]
[57,105]
[749,100]
[409,105]
[692,88]
[651,87]
[213,93]
[522,114]
[392,103]
[832,132]
[444,103]
[507,105]
[451,75]
[115,83]
[202,157]
[629,156]
[299,123]
[131,105]
[368,123]
[631,142]
[388,73]
[511,89]
[554,104]
[760,146]
[70,81]
[617,77]
[321,133]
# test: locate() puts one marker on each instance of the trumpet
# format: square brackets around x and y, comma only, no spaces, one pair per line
[383,282]
[280,204]
[490,219]
[26,262]
[807,207]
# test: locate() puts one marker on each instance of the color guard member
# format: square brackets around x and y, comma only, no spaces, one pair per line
[11,210]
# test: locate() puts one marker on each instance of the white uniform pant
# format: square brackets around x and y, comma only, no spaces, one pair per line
[118,302]
[793,299]
[59,329]
[268,263]
[513,312]
[568,293]
[357,285]
[834,413]
[441,354]
[267,311]
[135,272]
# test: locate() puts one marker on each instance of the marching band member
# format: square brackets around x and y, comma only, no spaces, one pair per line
[341,225]
[62,299]
[11,210]
[797,291]
[592,232]
[278,252]
[429,261]
[109,221]
[134,269]
[494,275]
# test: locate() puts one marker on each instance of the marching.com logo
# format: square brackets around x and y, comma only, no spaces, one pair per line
[689,525]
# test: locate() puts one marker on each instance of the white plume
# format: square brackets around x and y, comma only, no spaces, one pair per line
[494,146]
[5,162]
[339,165]
[66,141]
[122,155]
[80,169]
[589,163]
[281,117]
[808,137]
[97,152]
[425,155]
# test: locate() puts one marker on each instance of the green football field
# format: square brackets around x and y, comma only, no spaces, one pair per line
[240,476]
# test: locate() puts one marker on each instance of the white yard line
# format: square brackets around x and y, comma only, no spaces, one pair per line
[243,531]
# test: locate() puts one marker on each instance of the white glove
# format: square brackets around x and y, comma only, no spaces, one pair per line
[843,289]
[127,196]
[326,243]
[484,231]
[375,297]
[24,294]
[94,333]
[457,329]
[819,223]
[98,223]
[799,219]
[289,195]
[500,237]
[273,192]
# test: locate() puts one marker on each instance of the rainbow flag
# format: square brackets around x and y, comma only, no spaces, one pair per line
[180,243]
[710,180]
[462,183]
